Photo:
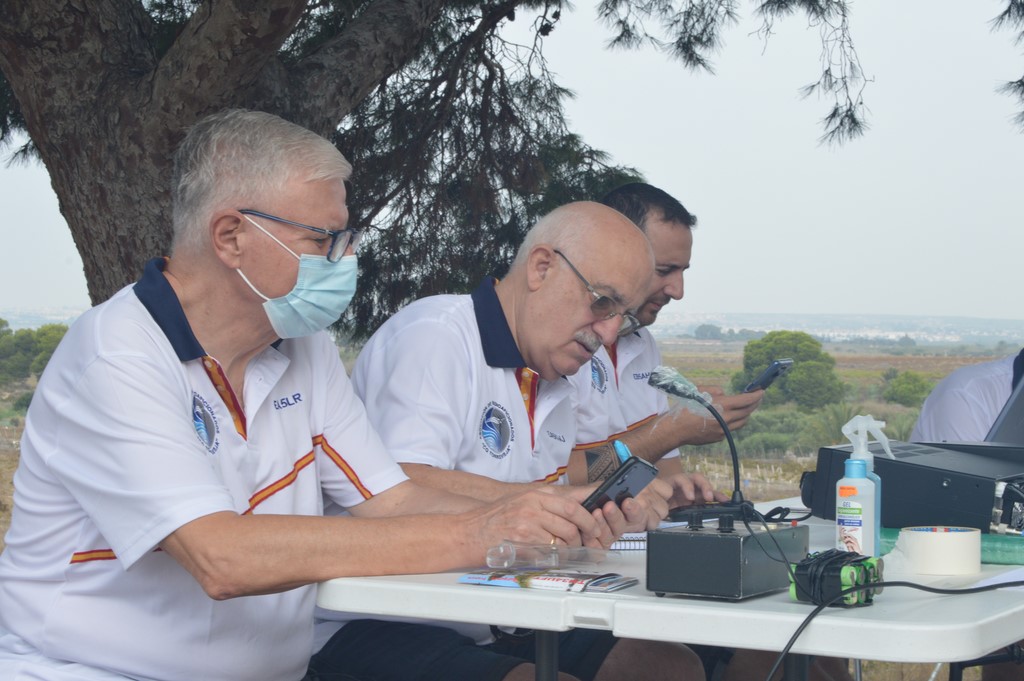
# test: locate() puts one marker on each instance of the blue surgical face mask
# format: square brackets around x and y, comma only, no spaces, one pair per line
[321,293]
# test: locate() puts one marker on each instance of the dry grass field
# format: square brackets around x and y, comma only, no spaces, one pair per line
[714,362]
[8,462]
[709,363]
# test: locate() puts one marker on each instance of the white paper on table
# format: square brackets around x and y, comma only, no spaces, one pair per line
[1015,575]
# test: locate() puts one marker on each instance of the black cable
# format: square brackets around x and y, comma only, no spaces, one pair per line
[816,582]
[783,559]
[781,514]
[764,522]
[877,585]
[671,381]
[737,496]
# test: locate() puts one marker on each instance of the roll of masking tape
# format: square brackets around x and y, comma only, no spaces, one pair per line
[939,550]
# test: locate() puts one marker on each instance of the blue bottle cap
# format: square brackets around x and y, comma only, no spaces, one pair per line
[856,468]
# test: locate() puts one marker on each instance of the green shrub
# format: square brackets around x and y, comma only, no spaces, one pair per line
[825,426]
[909,388]
[814,384]
[21,404]
[811,383]
[899,426]
[781,419]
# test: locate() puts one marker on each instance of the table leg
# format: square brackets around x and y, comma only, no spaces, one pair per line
[796,667]
[546,665]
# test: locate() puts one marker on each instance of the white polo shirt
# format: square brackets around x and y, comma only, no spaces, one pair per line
[963,406]
[134,432]
[445,385]
[613,397]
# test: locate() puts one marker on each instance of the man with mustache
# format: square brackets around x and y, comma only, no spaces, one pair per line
[469,395]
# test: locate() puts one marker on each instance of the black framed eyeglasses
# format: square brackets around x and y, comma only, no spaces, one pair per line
[604,306]
[341,239]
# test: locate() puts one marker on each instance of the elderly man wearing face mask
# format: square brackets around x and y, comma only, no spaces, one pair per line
[186,432]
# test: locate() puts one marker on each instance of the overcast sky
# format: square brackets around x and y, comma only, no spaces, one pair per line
[920,216]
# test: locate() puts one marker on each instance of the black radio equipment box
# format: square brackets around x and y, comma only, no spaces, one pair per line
[966,484]
[715,563]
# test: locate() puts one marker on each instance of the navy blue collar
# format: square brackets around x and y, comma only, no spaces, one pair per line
[156,295]
[500,349]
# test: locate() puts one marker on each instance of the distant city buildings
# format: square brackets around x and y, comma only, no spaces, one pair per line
[899,329]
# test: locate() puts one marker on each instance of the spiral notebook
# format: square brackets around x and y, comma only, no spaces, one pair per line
[637,541]
[630,541]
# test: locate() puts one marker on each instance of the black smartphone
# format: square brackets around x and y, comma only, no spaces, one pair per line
[627,481]
[774,370]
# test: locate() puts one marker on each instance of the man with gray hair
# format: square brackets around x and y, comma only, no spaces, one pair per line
[469,395]
[186,432]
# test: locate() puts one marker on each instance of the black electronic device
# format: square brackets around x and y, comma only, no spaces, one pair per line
[627,481]
[731,560]
[1008,428]
[728,561]
[959,484]
[768,376]
[710,510]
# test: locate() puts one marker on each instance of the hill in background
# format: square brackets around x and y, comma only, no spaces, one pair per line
[674,323]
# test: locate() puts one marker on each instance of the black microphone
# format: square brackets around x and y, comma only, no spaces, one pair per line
[672,382]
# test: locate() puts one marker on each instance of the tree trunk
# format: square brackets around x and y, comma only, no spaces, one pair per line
[105,111]
[80,114]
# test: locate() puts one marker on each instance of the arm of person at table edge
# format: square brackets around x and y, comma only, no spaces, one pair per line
[674,428]
[632,516]
[405,529]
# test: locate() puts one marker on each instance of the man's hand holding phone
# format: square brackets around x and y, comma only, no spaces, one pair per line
[639,499]
[626,482]
[702,429]
[768,376]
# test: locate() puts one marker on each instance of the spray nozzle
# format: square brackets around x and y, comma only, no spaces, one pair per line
[856,431]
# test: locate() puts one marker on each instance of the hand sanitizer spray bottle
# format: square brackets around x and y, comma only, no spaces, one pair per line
[855,511]
[856,431]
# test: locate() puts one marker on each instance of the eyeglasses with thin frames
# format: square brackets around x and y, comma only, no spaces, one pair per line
[604,306]
[341,239]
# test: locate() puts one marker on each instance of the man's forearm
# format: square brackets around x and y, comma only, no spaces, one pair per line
[669,431]
[218,549]
[602,461]
[663,433]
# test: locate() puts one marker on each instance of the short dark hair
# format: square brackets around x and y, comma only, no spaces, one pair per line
[637,199]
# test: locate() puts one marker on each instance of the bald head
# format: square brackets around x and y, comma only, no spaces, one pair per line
[551,311]
[572,226]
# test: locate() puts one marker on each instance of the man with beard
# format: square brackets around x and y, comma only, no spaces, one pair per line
[616,403]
